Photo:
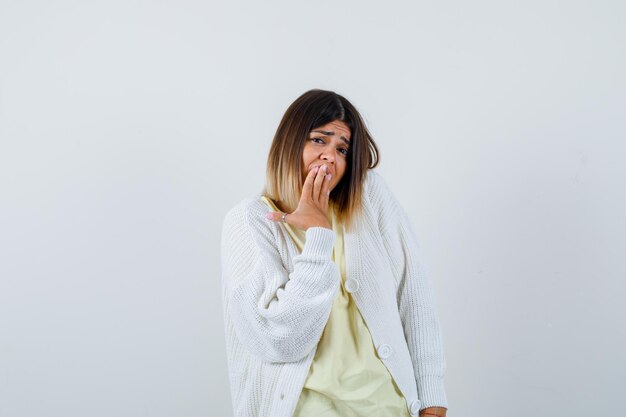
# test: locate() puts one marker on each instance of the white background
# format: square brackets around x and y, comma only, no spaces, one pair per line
[129,128]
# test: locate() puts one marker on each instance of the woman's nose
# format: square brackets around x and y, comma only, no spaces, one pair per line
[330,162]
[328,156]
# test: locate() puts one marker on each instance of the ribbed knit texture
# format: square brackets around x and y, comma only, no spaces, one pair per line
[276,302]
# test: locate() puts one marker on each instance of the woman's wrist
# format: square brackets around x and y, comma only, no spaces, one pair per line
[433,412]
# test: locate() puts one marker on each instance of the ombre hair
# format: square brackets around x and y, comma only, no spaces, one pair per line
[311,110]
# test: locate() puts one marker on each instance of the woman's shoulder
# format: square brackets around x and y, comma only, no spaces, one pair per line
[250,211]
[249,204]
[376,188]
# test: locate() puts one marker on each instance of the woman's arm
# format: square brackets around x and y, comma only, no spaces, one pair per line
[415,296]
[278,316]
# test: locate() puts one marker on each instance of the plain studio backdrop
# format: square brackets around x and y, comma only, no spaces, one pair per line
[129,128]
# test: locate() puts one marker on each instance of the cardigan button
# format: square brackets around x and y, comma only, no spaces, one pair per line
[352,285]
[415,407]
[384,351]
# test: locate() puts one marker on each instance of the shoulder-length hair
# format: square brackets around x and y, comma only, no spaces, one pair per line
[311,110]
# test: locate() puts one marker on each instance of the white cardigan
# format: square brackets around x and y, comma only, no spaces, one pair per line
[276,302]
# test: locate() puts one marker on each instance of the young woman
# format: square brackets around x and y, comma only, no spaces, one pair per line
[329,309]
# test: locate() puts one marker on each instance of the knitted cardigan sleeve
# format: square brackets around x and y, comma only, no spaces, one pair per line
[415,295]
[279,316]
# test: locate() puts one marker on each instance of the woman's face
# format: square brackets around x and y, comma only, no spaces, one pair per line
[327,145]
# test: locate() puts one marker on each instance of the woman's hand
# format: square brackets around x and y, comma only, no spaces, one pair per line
[312,210]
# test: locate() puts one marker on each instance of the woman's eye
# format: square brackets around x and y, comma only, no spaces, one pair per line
[343,150]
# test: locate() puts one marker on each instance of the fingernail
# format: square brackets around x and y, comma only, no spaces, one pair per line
[329,176]
[323,167]
[268,216]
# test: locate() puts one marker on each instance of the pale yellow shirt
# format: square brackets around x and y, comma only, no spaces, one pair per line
[346,377]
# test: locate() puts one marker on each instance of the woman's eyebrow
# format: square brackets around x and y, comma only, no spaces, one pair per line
[329,133]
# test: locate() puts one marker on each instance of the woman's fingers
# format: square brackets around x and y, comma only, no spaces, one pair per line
[319,181]
[325,193]
[313,201]
[276,216]
[307,187]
